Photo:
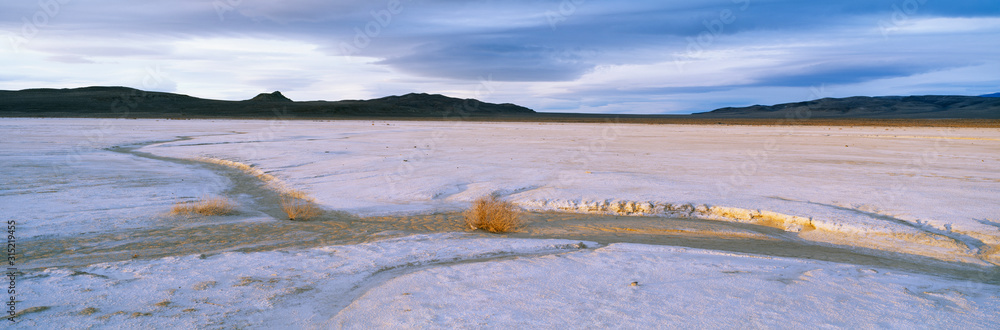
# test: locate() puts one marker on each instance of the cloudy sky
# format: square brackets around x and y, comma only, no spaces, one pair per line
[657,56]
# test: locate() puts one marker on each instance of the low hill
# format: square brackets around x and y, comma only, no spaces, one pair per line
[883,107]
[134,103]
[123,102]
[272,97]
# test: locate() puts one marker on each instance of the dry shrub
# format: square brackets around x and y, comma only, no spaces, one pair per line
[491,214]
[989,250]
[298,205]
[246,168]
[206,206]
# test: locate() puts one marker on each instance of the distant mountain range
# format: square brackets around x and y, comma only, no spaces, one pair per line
[133,103]
[129,102]
[882,107]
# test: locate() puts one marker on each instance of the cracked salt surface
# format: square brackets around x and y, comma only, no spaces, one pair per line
[795,178]
[920,197]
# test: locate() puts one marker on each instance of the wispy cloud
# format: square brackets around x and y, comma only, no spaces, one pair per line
[559,55]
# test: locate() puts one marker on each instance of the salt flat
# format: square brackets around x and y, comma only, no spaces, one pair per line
[929,191]
[453,280]
[921,192]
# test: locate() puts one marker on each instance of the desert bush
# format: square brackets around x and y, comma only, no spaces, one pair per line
[299,206]
[990,250]
[491,214]
[206,206]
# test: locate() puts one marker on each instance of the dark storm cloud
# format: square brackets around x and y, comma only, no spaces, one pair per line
[844,73]
[436,39]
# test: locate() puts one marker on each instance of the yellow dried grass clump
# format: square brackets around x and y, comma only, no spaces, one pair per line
[491,214]
[268,179]
[990,250]
[206,206]
[298,205]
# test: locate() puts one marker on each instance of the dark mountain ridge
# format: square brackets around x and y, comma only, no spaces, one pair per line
[272,97]
[130,102]
[880,107]
[124,102]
